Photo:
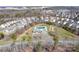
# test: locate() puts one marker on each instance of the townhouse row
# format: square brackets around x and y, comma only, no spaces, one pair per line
[18,23]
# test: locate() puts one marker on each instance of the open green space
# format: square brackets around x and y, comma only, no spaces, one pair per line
[27,35]
[62,33]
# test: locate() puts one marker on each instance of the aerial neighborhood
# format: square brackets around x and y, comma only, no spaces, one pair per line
[40,28]
[18,23]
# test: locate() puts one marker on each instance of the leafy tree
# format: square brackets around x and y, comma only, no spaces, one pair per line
[14,37]
[69,29]
[49,23]
[26,37]
[18,15]
[1,35]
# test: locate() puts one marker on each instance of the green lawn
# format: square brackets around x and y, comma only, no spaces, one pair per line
[62,33]
[3,42]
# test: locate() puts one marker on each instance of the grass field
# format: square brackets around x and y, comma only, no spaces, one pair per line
[62,33]
[3,42]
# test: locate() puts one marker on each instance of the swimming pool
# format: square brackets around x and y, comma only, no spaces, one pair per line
[40,28]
